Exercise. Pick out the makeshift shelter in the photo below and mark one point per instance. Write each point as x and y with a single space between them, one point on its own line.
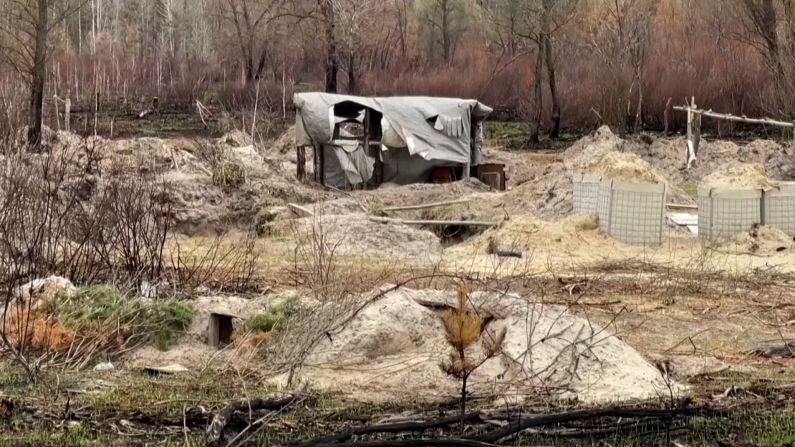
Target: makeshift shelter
359 141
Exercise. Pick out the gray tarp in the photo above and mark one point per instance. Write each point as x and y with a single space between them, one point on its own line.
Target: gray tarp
431 128
347 164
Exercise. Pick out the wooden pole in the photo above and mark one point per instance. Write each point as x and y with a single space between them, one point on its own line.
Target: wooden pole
469 223
735 118
301 159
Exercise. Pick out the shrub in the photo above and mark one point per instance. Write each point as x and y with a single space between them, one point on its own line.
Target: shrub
275 319
132 322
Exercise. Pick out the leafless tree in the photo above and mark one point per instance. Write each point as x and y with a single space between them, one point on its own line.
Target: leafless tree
446 21
620 36
24 45
533 25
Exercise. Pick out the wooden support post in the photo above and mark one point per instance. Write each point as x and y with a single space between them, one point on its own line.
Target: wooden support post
693 132
323 165
301 158
667 116
315 164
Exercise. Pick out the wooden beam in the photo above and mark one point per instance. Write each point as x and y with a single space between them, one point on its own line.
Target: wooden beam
680 206
463 223
735 118
425 206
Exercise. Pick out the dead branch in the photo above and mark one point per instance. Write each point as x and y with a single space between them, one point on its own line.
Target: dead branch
523 423
216 428
412 443
392 428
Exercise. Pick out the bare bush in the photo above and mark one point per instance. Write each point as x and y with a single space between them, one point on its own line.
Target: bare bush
227 264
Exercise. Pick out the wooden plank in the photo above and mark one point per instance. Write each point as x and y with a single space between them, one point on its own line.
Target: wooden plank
680 206
300 209
426 206
463 223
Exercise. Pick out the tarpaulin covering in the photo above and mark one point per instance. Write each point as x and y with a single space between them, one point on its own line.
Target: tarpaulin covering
421 131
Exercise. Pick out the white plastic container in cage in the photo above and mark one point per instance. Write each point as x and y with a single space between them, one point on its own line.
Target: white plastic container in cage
724 213
631 212
778 208
586 193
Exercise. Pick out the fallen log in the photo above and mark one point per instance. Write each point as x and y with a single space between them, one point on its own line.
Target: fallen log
425 206
523 423
391 428
463 223
216 428
414 443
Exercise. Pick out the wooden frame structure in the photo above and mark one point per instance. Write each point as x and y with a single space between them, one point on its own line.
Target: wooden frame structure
694 115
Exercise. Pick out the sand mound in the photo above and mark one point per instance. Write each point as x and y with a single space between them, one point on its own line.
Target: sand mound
625 167
533 236
606 155
394 347
734 175
356 235
549 191
764 240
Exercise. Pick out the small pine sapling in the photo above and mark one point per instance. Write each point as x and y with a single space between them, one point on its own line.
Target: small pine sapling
465 328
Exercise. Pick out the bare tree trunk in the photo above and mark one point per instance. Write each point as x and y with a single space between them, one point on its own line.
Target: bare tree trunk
553 88
445 31
39 75
538 100
332 63
639 110
352 84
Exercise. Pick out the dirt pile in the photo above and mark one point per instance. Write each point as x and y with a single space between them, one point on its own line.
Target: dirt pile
536 237
735 175
395 344
668 155
760 240
199 203
357 236
549 191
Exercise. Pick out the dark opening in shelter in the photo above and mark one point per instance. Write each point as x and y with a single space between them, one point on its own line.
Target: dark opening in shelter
220 330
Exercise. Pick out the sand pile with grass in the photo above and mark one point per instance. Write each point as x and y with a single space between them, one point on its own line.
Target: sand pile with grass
735 175
395 345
